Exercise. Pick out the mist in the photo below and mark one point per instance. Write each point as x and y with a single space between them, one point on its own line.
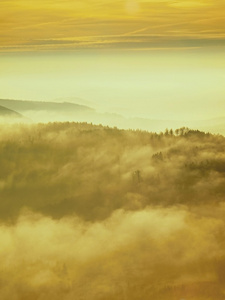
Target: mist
161 85
93 212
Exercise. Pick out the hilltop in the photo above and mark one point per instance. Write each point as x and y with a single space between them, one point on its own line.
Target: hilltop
100 169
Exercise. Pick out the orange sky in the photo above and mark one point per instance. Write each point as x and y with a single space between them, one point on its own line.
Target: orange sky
146 24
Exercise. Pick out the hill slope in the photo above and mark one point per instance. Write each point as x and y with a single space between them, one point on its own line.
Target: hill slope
38 111
25 105
6 112
91 212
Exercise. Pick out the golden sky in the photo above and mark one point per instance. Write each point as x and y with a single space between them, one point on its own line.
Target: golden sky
132 24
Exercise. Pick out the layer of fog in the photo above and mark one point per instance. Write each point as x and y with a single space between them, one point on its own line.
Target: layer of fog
91 212
160 85
114 120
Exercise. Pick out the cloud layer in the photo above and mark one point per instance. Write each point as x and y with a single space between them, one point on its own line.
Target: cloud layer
66 25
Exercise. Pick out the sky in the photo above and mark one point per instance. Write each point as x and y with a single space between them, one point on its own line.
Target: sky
132 24
151 58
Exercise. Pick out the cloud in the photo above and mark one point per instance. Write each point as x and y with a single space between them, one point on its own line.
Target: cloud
48 21
191 4
126 254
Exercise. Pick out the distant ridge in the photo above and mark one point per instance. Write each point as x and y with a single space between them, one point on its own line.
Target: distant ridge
40 111
6 112
27 105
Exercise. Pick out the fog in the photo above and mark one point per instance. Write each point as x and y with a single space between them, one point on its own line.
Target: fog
92 212
177 84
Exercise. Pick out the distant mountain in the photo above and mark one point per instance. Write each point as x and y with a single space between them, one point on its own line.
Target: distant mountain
6 112
75 100
39 111
26 105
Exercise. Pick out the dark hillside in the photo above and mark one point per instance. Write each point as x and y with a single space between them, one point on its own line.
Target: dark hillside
5 112
25 105
92 170
92 212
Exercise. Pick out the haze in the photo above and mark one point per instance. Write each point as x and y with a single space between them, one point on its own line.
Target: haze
112 175
142 58
165 85
91 212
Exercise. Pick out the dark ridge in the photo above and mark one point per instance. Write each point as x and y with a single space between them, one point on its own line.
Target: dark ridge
26 105
6 112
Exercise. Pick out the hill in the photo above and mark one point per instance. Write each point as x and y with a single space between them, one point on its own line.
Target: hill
157 169
39 111
93 212
5 112
25 105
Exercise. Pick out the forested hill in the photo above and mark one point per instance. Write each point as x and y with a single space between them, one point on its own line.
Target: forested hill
92 212
94 170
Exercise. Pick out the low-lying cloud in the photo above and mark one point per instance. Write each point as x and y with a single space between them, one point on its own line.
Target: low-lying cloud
91 212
